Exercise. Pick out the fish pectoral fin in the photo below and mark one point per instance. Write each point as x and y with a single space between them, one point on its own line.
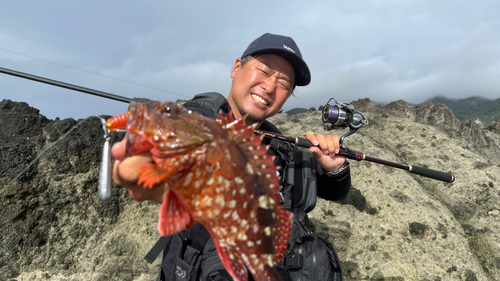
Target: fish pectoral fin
150 174
153 173
173 216
232 262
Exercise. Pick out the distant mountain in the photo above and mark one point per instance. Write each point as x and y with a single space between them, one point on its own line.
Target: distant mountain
472 108
296 111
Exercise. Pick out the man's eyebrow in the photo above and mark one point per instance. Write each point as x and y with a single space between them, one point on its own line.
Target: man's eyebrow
273 70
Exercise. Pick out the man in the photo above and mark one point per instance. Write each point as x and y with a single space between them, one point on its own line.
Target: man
263 79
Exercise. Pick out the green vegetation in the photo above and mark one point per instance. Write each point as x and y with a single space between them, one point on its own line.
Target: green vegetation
472 108
486 110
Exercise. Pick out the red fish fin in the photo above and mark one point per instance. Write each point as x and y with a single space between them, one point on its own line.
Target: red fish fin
229 124
173 216
150 174
255 152
284 221
261 162
234 266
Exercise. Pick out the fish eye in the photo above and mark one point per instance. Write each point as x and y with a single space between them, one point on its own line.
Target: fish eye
168 109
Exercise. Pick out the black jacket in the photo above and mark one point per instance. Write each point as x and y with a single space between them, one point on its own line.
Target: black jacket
328 187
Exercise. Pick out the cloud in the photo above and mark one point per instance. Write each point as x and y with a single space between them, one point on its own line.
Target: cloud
385 50
469 67
185 80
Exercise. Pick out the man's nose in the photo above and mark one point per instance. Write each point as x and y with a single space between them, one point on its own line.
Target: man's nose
270 84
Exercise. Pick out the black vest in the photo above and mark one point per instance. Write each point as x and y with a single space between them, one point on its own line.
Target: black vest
191 254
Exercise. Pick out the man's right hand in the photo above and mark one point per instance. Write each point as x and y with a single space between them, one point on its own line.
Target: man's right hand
125 174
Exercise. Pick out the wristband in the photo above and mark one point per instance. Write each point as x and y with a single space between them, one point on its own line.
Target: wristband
341 171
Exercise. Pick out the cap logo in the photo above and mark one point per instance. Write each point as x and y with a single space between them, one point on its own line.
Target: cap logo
288 48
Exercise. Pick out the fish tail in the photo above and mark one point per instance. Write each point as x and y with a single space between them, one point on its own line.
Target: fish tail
118 121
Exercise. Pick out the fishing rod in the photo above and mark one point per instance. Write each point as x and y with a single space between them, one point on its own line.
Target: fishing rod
64 85
343 115
106 169
337 116
359 156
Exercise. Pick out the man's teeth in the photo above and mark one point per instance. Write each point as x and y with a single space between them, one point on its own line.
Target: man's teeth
259 99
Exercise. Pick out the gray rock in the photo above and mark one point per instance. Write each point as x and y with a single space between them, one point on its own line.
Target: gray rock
393 225
495 126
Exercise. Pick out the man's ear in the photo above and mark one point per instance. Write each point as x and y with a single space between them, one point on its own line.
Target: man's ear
236 67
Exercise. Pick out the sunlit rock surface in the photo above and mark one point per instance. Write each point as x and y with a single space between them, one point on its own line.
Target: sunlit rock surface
393 225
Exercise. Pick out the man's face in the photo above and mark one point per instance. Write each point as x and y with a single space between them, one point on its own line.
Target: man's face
260 87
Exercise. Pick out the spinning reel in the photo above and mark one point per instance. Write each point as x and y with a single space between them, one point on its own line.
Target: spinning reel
340 116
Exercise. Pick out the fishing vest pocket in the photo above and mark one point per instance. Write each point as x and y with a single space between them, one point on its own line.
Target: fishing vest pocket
310 257
313 260
298 176
336 273
186 263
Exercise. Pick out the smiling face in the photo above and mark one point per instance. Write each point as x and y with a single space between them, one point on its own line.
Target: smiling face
260 87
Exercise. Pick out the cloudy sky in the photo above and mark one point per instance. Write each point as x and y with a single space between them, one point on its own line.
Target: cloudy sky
385 50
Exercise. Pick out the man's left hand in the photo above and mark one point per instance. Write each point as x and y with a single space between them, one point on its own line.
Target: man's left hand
326 151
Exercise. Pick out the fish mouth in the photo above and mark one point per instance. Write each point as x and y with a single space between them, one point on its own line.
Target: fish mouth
137 141
260 99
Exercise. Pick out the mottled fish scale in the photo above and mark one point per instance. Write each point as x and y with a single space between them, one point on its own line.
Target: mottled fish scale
246 220
258 157
220 175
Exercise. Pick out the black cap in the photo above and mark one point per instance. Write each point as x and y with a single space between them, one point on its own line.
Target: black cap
284 47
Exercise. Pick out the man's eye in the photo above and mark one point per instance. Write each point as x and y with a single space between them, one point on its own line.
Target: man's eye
284 86
263 71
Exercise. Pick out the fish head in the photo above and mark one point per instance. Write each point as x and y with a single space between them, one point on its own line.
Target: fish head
164 128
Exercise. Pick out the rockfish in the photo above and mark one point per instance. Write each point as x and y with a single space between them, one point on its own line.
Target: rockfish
219 174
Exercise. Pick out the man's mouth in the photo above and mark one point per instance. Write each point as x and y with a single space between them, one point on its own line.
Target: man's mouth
260 100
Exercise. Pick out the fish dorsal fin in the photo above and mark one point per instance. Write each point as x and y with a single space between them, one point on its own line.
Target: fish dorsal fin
263 165
284 225
252 147
173 216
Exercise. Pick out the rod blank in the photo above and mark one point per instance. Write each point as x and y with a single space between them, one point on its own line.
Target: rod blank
64 85
302 142
359 156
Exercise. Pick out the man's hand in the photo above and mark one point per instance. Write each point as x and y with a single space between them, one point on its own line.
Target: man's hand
325 151
125 174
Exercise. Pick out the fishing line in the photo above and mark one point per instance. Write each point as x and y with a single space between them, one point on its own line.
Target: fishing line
44 151
95 73
336 116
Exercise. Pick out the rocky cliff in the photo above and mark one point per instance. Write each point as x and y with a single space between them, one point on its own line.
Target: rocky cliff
392 226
